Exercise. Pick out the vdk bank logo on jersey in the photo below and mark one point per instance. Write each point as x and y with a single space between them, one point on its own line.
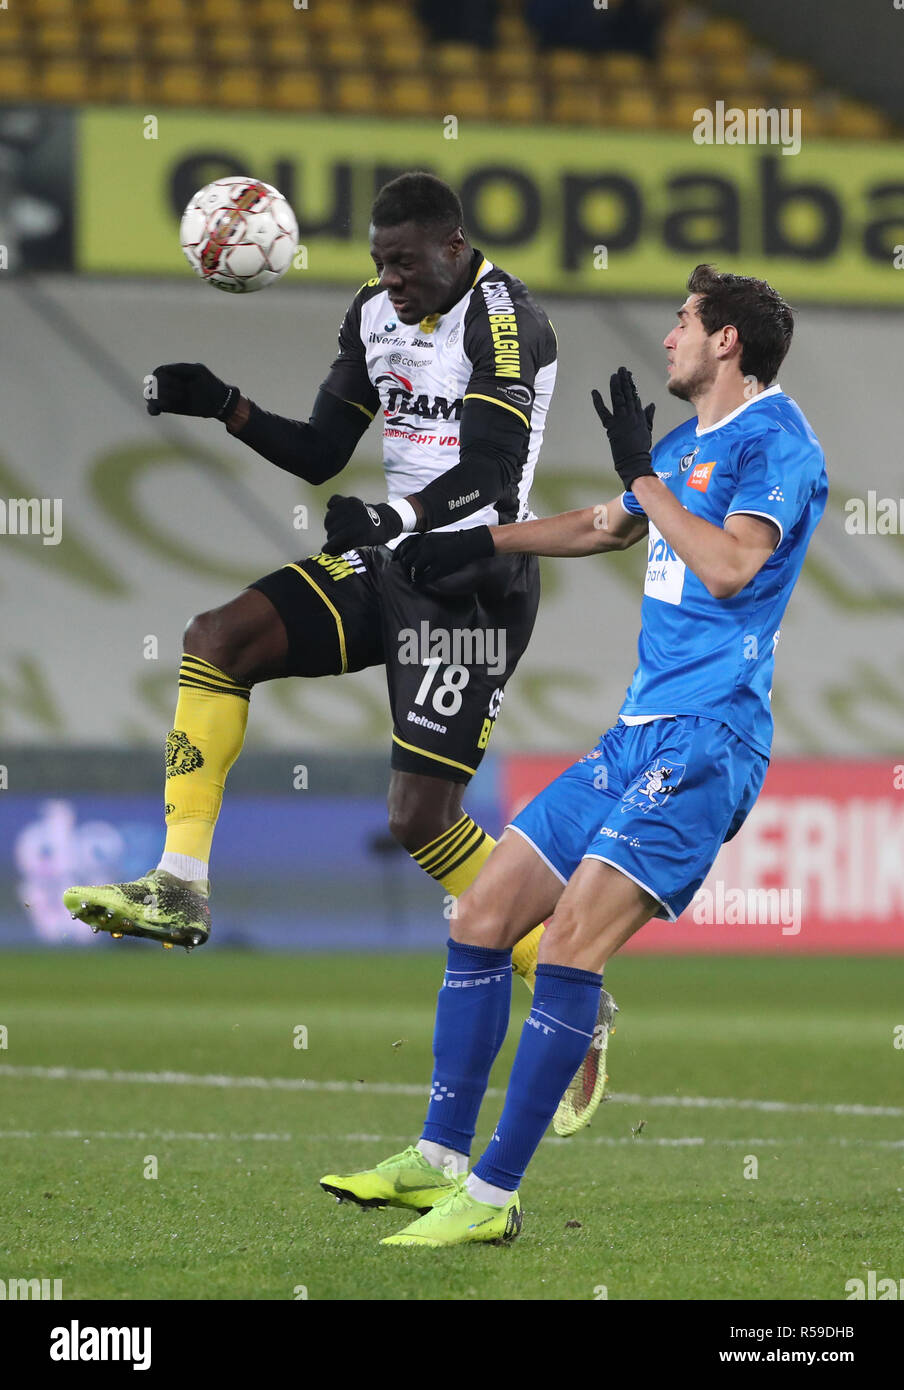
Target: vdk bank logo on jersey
665 572
654 787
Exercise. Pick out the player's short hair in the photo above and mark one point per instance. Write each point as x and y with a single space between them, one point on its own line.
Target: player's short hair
420 198
764 321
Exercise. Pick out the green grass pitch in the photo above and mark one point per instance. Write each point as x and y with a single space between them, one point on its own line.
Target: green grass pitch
651 1202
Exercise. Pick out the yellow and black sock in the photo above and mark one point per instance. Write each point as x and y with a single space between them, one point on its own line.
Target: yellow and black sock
206 738
454 859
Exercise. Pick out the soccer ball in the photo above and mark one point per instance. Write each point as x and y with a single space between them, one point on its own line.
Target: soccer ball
239 234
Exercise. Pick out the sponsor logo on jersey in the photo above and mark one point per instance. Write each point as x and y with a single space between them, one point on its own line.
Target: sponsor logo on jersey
388 327
390 341
701 475
402 406
503 327
520 395
397 359
686 460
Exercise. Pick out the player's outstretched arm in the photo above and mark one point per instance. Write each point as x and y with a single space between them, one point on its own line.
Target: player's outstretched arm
314 450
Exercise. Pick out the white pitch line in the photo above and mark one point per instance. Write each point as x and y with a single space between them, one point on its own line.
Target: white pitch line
86 1136
398 1088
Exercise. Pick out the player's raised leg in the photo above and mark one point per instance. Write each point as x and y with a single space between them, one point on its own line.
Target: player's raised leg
515 889
598 911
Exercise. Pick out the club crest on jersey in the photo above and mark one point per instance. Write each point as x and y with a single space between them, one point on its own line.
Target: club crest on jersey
686 460
654 787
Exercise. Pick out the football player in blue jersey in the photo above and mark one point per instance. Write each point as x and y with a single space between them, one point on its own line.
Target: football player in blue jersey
728 502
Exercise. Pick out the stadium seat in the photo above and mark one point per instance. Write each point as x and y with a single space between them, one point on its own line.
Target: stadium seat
117 40
110 9
12 35
637 108
679 69
16 78
168 12
576 104
120 80
467 98
289 46
56 36
391 55
388 21
172 42
521 62
337 16
517 100
676 111
412 96
237 85
456 59
854 121
729 74
180 84
233 12
346 51
567 65
297 91
724 36
624 70
65 79
233 44
48 9
357 92
792 78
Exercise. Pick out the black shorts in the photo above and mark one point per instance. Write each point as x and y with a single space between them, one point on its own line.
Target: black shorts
448 649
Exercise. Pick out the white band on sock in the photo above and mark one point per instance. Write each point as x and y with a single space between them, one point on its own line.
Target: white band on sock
485 1192
184 866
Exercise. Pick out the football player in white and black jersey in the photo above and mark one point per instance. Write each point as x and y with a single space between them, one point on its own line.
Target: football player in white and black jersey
458 361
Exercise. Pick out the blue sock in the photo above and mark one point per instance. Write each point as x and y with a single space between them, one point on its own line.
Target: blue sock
556 1036
472 1015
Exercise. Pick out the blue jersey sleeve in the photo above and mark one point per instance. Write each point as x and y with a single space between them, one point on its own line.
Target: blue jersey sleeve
631 504
776 478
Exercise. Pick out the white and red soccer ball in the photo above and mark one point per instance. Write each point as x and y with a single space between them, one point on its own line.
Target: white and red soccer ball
239 234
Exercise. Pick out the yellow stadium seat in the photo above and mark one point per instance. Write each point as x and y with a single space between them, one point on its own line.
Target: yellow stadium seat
792 78
336 16
724 36
117 40
296 91
517 100
679 69
109 9
232 12
289 46
233 45
677 111
456 59
512 31
357 91
514 62
48 9
854 121
120 80
56 36
392 56
172 42
237 85
412 96
566 65
729 74
12 35
624 70
387 20
637 108
180 84
468 98
65 79
16 78
576 104
346 51
167 12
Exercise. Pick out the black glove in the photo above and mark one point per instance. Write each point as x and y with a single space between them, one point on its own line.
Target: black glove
350 522
629 426
430 557
190 388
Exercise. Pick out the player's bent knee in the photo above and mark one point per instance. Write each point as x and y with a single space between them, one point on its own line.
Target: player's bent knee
213 637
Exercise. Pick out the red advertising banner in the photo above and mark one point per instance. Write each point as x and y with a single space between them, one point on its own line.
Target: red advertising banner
817 867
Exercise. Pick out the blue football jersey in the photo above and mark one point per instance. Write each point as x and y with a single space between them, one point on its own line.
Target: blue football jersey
714 657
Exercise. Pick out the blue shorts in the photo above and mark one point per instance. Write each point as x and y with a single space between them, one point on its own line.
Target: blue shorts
656 801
